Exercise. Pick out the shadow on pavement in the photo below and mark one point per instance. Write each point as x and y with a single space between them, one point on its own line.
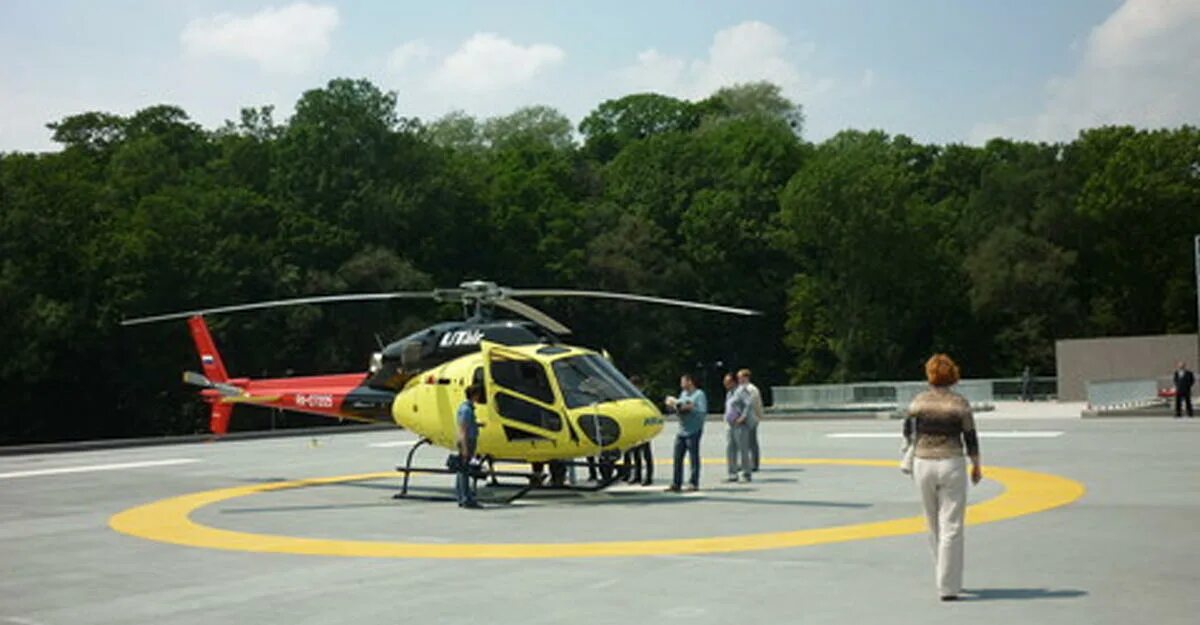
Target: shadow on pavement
1017 594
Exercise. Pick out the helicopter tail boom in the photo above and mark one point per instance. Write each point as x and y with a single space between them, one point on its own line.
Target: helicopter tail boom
340 396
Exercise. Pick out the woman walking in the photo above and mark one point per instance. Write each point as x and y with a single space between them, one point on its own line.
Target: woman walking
940 426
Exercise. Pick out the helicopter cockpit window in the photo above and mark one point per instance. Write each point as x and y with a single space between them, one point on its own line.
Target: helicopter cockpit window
590 379
523 376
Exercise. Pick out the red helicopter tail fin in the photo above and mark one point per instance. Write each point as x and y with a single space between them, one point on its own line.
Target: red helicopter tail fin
214 371
218 423
210 358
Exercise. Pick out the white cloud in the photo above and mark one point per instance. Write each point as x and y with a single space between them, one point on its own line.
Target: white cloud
408 53
748 52
1140 67
287 40
487 62
654 69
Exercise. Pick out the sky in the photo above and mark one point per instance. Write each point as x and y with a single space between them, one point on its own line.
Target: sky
940 71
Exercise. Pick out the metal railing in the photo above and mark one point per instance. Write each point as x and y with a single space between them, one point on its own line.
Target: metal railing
871 396
1120 394
1042 388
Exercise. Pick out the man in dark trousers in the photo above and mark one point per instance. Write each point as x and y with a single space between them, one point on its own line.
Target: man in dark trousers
640 455
1183 388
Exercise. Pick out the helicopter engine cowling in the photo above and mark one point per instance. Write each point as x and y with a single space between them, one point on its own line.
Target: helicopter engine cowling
441 343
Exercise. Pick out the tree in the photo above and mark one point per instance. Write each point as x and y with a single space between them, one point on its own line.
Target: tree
754 99
616 123
93 131
1139 211
853 221
457 131
865 252
530 126
1021 288
338 147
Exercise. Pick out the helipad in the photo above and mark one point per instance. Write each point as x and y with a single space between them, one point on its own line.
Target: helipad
299 531
169 521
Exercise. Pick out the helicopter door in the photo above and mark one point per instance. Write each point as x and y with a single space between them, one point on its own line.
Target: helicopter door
520 393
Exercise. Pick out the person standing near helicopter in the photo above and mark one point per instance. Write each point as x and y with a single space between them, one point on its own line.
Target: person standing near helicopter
468 437
641 454
743 378
739 416
692 408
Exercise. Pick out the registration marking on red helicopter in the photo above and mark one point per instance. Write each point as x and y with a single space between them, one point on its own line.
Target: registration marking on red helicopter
168 521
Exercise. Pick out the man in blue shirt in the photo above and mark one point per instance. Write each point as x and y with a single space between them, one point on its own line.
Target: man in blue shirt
468 436
692 408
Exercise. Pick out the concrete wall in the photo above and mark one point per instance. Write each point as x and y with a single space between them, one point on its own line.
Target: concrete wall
1081 360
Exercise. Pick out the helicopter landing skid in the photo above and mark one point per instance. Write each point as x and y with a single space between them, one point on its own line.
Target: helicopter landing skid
529 480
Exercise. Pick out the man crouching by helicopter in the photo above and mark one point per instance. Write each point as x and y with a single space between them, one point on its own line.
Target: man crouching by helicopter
468 436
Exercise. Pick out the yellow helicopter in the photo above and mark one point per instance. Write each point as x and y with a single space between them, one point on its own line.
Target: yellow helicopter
545 401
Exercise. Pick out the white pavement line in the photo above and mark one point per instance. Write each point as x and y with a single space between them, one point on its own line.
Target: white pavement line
1022 434
982 434
18 620
98 467
393 444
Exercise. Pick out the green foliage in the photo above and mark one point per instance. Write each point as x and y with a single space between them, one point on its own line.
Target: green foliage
854 220
617 123
865 252
749 100
532 126
1021 286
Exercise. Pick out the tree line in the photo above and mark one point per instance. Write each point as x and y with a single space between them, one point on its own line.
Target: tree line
865 251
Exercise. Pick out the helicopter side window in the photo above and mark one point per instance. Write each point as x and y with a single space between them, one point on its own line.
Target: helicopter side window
527 412
523 376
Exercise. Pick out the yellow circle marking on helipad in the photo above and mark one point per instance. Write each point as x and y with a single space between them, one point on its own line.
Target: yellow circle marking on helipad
168 520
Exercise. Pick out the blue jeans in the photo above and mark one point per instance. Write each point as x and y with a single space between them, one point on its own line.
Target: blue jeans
464 485
691 445
737 451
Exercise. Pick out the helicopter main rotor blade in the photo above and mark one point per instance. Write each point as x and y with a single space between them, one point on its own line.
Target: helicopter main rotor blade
629 297
533 314
280 303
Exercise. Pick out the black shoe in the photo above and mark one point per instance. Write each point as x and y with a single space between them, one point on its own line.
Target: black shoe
949 597
674 488
473 505
648 482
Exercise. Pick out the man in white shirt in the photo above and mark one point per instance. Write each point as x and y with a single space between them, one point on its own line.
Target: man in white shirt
756 400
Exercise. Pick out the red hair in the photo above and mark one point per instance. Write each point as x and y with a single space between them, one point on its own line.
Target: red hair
940 370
